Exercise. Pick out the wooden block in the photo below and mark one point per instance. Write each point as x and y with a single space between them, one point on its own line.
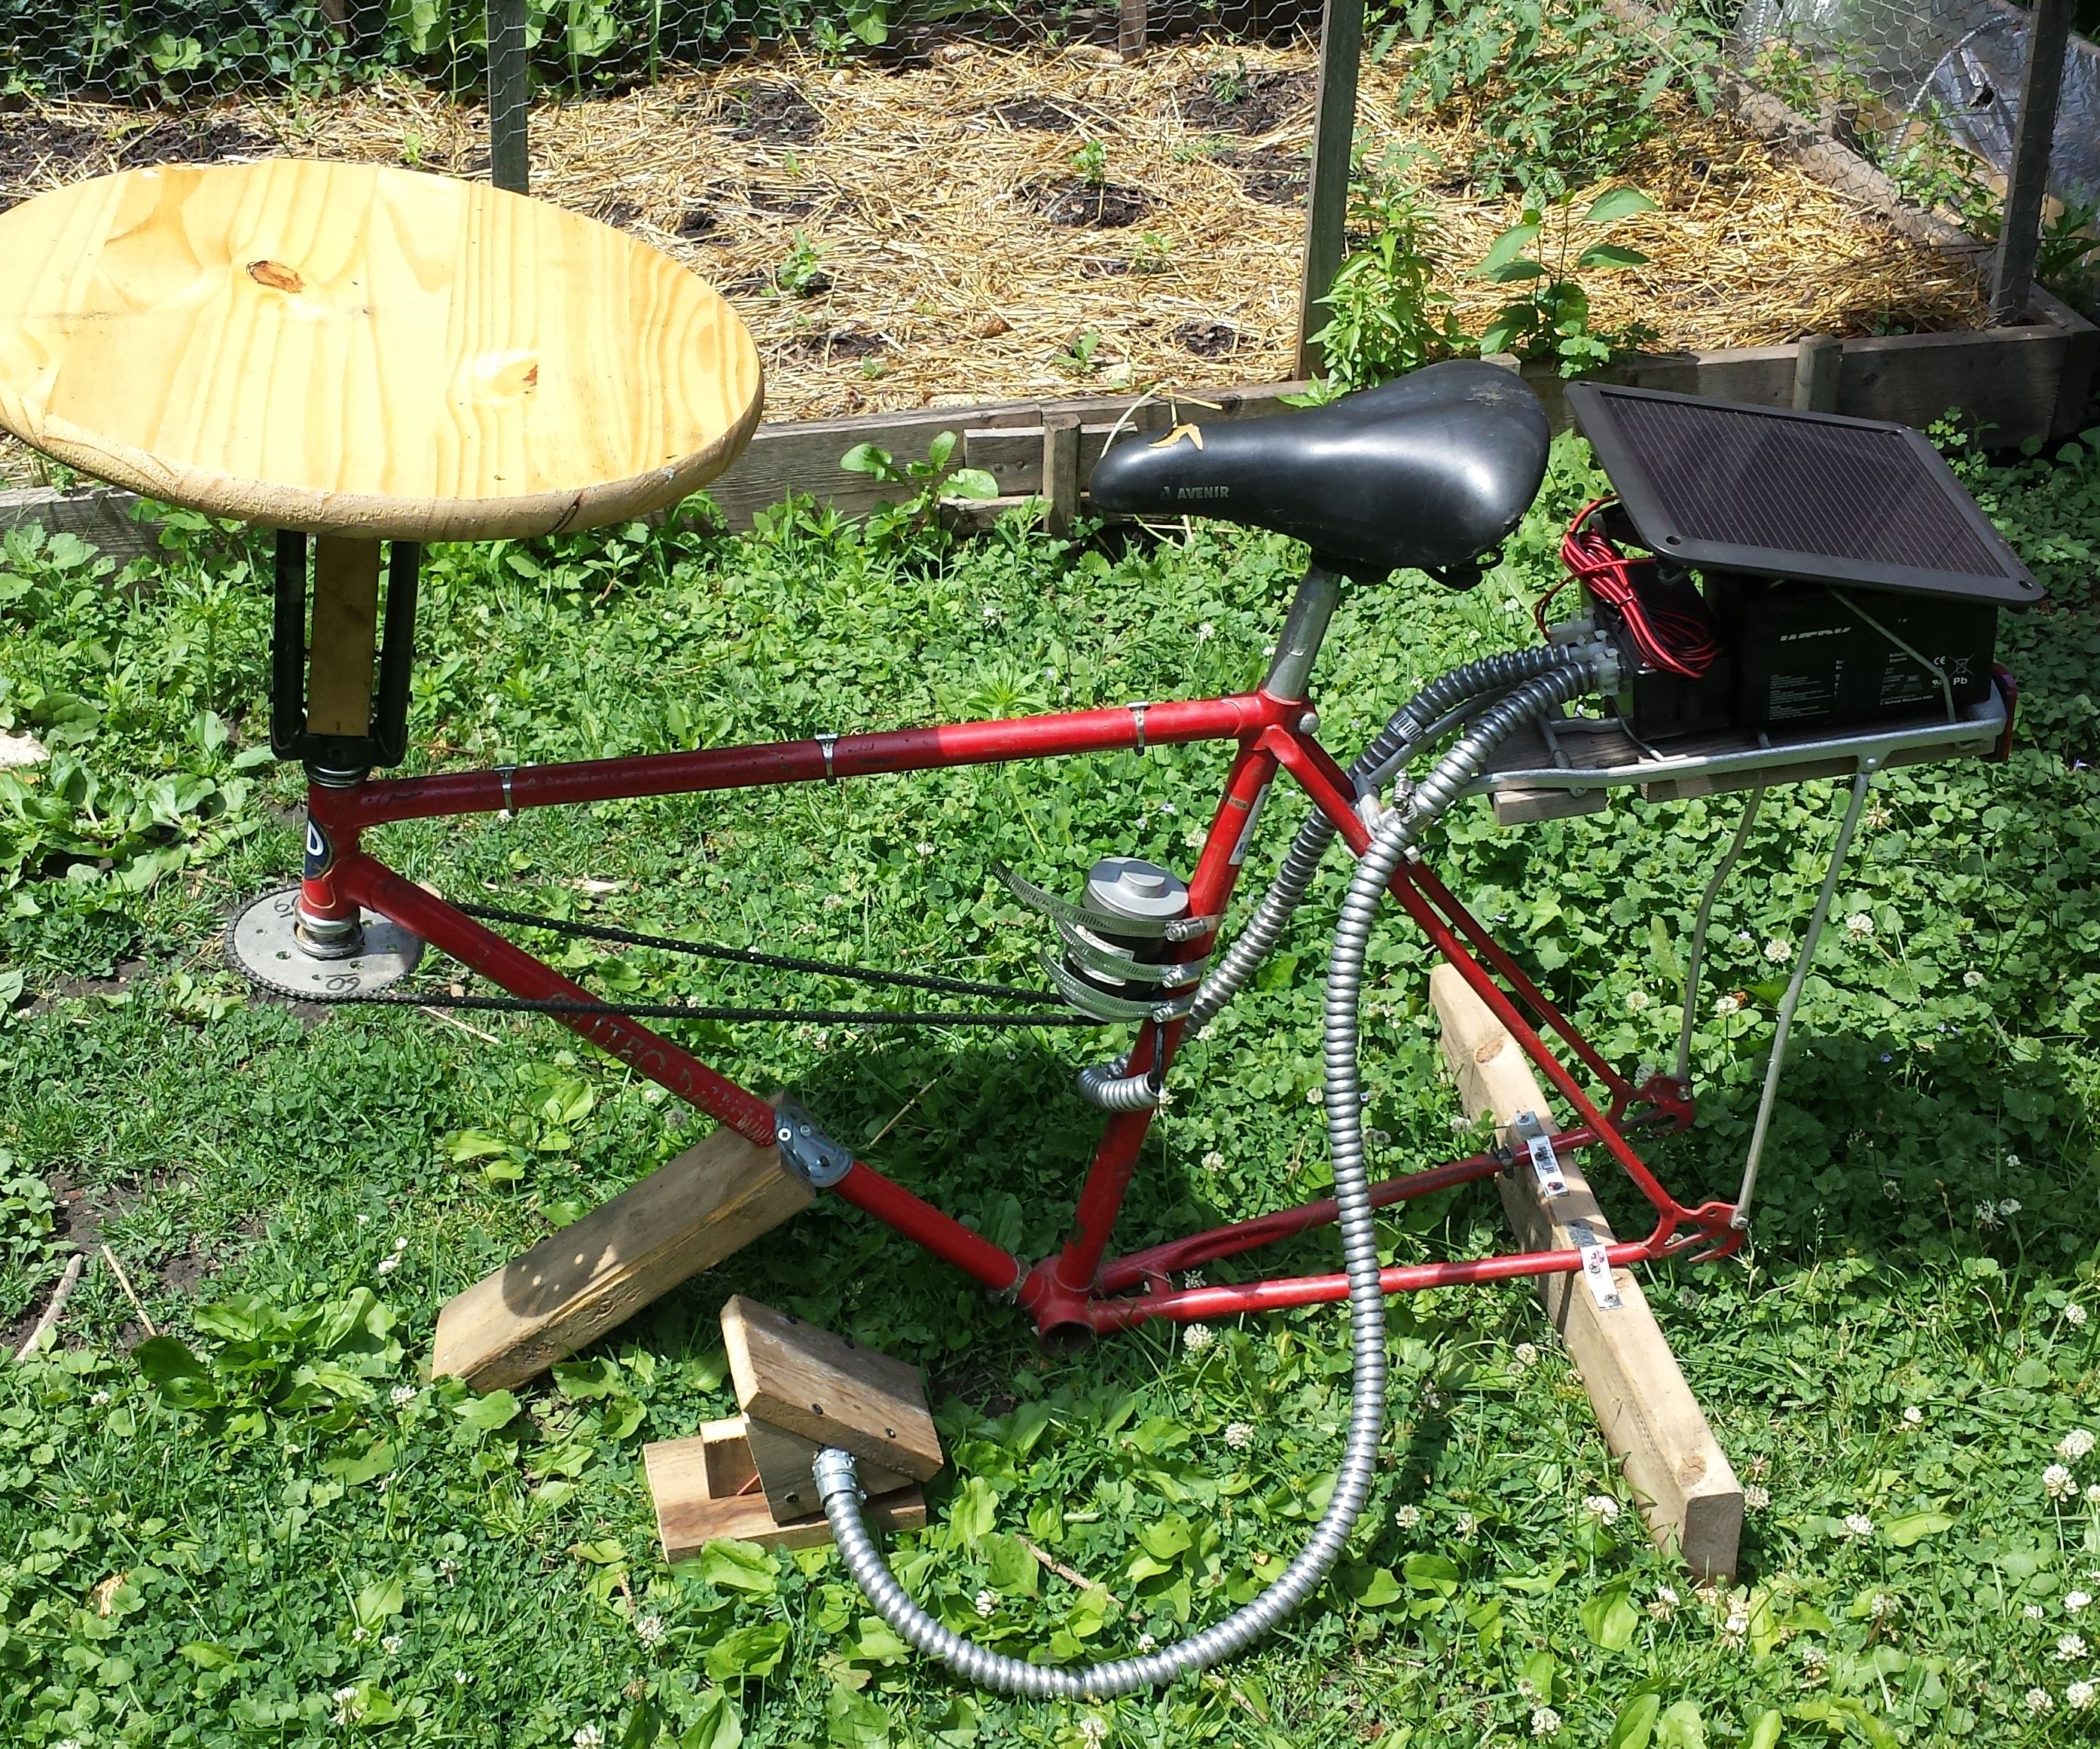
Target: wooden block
784 1463
1061 469
1686 1487
574 1285
699 1486
1131 29
829 1389
1818 366
345 626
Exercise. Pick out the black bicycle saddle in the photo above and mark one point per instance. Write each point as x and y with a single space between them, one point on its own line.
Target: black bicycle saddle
1424 472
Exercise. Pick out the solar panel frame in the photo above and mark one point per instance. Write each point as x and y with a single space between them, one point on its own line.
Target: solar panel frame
1828 482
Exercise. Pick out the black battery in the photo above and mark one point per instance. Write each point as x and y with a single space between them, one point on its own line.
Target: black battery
1809 655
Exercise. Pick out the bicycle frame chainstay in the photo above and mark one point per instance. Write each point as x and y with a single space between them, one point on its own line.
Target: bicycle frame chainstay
1080 1289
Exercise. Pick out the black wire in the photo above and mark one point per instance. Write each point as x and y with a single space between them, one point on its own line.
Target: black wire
827 1017
775 961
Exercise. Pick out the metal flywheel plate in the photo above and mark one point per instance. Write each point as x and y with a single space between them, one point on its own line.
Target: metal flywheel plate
262 944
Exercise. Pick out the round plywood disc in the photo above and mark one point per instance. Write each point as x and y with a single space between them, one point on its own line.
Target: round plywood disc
353 350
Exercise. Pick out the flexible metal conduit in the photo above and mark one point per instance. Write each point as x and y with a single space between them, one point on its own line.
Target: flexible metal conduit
1110 1086
1395 834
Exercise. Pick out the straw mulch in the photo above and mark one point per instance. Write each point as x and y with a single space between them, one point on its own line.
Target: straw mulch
927 199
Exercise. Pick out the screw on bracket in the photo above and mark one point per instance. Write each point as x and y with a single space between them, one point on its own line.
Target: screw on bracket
811 1154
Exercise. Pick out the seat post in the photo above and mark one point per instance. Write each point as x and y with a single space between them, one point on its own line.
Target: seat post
1303 629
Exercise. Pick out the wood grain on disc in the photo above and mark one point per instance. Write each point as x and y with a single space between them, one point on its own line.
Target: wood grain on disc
348 349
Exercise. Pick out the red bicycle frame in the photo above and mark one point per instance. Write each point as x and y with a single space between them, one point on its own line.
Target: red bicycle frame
1080 1289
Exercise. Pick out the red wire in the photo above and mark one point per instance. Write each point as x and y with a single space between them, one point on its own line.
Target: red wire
1670 638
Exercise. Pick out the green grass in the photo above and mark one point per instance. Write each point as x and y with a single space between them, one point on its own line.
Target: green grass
293 1540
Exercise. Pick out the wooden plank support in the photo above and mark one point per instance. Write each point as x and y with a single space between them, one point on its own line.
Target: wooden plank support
1818 366
574 1285
705 1489
345 636
1131 29
1688 1489
1061 469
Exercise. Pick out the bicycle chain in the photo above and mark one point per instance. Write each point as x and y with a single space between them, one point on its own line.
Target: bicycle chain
518 1005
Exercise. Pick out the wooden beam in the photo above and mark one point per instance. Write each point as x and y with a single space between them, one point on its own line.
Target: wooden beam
828 1389
574 1285
1686 1488
1131 29
1061 469
509 96
2027 182
344 639
1327 195
1818 366
697 1485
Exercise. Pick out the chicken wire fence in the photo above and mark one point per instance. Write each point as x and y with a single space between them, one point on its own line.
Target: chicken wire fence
1912 70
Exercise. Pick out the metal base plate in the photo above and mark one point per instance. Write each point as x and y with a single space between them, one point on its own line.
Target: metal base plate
262 944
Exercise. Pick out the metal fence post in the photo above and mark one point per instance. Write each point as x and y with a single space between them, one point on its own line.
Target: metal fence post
1327 198
2020 236
509 94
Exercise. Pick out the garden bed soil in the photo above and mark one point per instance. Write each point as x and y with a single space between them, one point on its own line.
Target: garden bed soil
924 189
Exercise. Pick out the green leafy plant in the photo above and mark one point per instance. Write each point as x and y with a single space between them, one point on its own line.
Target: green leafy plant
1078 356
1090 164
1153 254
1559 97
1545 251
936 479
1385 316
802 274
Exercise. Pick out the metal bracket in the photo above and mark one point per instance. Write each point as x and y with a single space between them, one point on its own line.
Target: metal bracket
1138 710
827 745
1545 1162
812 1156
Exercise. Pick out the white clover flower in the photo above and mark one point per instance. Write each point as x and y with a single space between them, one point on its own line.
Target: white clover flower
2075 1601
1664 1604
2057 1482
2092 1494
99 1400
1545 1721
1094 1730
359 1636
1858 1525
1601 1507
1239 1435
1987 1214
2080 1696
2038 1701
2074 1315
1466 1524
2012 1159
1859 924
1777 950
2074 1444
1738 1623
1913 1416
925 848
2070 1648
1197 1337
987 1603
388 1265
1205 632
390 1643
1757 1497
347 1707
1814 1656
1314 1096
1638 1000
1146 1642
448 1570
1525 1354
401 1396
1195 1278
588 1737
1431 1398
1972 978
1407 1517
2009 1207
1728 1004
1881 1605
1214 1161
461 1678
649 1630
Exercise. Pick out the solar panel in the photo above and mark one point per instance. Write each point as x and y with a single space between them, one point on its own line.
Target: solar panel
1806 496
